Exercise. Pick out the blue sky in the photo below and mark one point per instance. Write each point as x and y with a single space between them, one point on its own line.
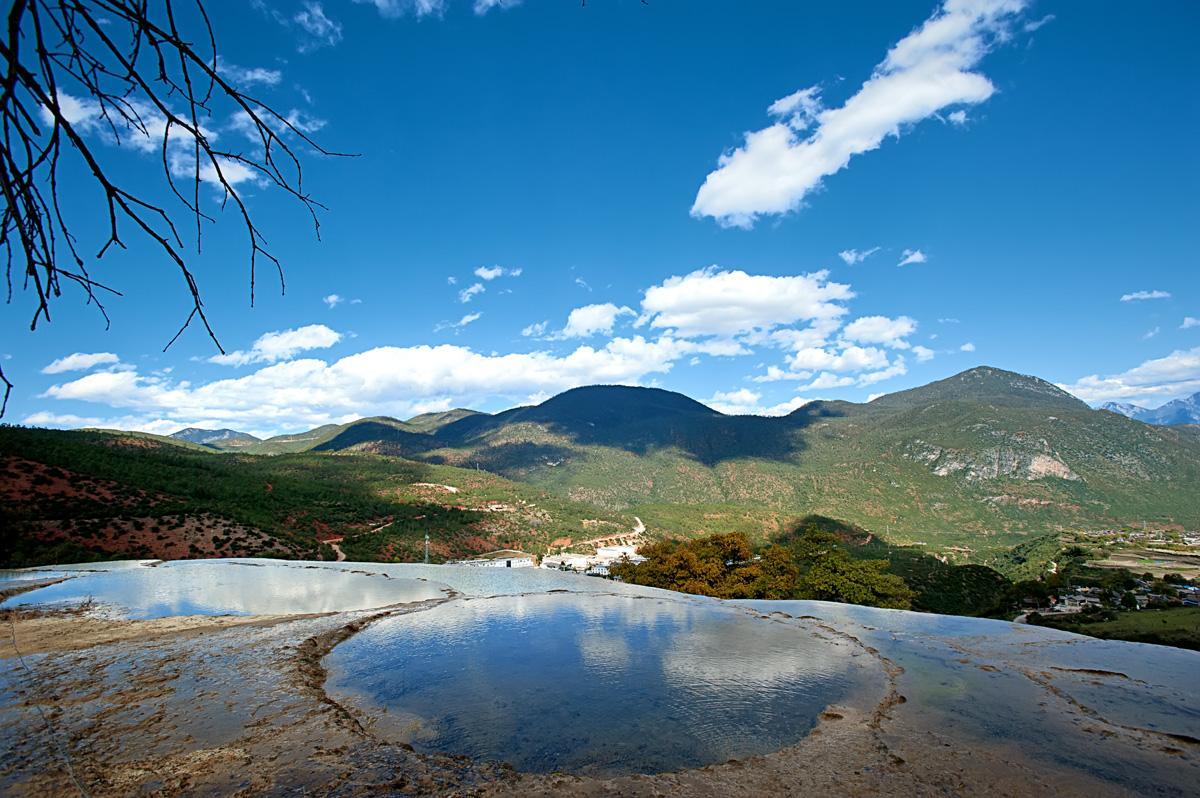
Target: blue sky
755 204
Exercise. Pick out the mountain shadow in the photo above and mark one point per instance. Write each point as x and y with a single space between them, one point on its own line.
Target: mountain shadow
640 420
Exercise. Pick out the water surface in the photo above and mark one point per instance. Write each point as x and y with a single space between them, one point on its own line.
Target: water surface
599 684
223 587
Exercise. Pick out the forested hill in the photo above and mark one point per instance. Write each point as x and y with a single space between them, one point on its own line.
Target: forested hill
965 466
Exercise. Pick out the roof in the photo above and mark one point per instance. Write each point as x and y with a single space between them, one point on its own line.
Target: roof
502 554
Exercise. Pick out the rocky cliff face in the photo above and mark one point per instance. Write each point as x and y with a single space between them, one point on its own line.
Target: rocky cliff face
991 463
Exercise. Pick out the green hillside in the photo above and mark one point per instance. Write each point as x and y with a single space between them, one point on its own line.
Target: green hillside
965 468
977 462
80 496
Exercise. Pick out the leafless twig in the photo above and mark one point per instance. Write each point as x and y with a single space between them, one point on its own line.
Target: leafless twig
76 72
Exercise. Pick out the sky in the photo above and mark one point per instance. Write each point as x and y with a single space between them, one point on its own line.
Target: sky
755 204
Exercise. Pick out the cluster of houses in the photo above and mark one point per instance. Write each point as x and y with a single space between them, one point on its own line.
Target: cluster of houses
1077 599
591 564
1144 537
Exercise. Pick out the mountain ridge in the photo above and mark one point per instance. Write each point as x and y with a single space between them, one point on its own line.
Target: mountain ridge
1173 413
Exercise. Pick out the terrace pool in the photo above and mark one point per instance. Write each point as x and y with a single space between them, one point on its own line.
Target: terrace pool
596 684
140 591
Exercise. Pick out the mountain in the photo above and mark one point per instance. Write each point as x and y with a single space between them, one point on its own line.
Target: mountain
1173 413
978 461
1124 409
222 439
965 467
429 422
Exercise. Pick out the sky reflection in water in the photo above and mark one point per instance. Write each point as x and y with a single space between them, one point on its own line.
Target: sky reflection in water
214 587
599 684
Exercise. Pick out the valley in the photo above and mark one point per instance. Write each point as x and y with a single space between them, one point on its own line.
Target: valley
986 470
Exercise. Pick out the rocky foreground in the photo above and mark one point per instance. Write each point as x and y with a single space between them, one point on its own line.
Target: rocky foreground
96 702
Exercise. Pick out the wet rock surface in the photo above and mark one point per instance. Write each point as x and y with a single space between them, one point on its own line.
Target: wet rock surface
251 705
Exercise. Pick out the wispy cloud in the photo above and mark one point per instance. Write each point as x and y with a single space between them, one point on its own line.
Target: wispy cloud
853 256
251 76
81 361
281 345
1036 24
1189 322
925 72
320 29
1176 374
492 272
1138 296
910 256
592 320
458 325
468 293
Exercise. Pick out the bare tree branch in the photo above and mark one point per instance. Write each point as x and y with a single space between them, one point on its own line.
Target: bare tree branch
79 75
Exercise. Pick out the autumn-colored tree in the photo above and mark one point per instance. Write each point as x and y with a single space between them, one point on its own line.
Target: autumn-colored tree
814 566
838 577
774 574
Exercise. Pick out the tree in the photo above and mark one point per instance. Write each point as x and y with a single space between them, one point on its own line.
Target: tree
813 567
837 577
81 71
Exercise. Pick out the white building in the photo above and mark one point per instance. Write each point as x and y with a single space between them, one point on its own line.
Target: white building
505 558
567 562
592 564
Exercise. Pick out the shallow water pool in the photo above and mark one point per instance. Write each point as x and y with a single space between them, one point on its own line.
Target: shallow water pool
217 587
599 684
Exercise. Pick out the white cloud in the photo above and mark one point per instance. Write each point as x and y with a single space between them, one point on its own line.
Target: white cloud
333 300
727 303
1034 25
452 280
826 380
484 6
910 256
383 381
536 329
949 321
897 369
254 76
80 361
1189 322
470 291
579 281
1151 333
925 72
967 347
281 345
923 353
458 325
881 330
1138 296
744 402
734 402
1161 379
144 132
853 256
399 8
322 31
775 374
594 319
851 358
492 272
958 117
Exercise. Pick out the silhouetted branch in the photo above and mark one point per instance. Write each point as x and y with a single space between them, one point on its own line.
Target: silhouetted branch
77 72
